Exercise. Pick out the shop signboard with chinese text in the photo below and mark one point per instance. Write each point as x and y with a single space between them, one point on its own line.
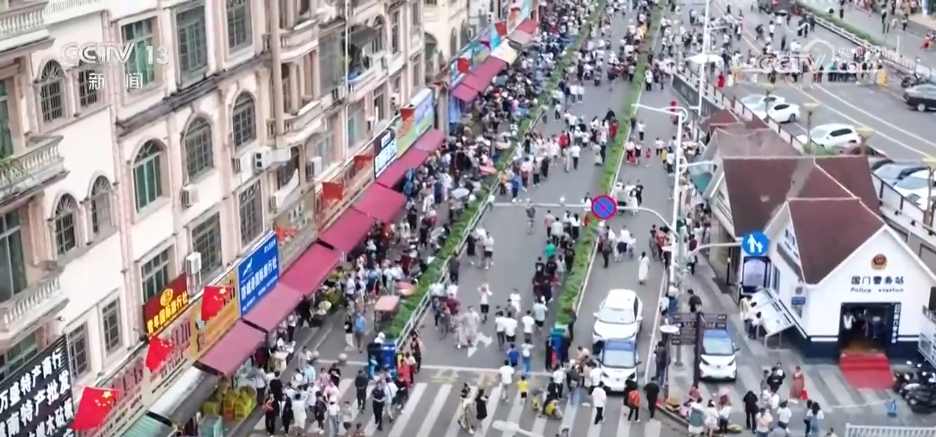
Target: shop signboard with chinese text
139 388
385 150
207 333
408 132
37 399
258 273
163 309
295 229
336 194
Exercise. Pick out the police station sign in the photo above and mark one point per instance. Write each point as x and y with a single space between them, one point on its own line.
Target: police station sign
36 401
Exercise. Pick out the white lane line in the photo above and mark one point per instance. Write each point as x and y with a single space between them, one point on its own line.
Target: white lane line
430 418
516 411
399 424
494 401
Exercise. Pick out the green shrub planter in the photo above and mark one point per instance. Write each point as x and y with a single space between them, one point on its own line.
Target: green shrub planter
459 231
575 278
834 19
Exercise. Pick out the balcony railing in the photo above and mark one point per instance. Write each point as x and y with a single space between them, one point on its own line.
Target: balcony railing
299 40
61 10
307 121
21 18
31 304
38 165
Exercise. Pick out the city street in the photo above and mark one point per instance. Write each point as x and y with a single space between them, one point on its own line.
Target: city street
900 132
433 409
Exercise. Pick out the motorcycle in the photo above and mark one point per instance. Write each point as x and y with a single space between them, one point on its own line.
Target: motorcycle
922 399
913 80
904 377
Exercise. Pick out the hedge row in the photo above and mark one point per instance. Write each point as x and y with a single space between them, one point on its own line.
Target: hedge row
575 280
459 231
834 19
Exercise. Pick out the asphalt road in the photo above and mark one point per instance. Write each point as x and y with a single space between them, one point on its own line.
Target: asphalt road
515 251
900 132
433 409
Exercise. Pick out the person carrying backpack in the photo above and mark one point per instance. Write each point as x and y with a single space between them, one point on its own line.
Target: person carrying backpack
633 405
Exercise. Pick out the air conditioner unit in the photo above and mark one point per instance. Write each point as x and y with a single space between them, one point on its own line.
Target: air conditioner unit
370 123
274 204
261 160
189 195
313 168
193 263
383 62
282 155
236 165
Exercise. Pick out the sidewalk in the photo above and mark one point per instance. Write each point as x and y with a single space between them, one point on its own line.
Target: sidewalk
906 43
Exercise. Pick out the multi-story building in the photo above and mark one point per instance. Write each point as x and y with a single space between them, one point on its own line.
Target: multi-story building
448 29
117 180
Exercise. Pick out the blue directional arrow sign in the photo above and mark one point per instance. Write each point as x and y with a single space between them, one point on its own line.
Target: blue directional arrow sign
755 244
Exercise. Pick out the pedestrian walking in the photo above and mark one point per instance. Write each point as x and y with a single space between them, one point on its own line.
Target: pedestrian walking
652 390
599 398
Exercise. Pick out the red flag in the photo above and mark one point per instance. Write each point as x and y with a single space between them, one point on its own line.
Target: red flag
407 113
501 28
157 352
96 404
463 65
213 301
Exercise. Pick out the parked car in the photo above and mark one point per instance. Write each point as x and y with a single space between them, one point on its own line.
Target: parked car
619 316
718 358
916 184
893 172
833 135
756 101
618 360
779 112
921 97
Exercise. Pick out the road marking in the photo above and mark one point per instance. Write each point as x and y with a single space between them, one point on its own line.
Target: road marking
433 414
571 410
494 400
748 39
516 411
439 367
399 424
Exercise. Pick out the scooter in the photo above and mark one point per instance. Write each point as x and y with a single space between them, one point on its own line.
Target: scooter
912 376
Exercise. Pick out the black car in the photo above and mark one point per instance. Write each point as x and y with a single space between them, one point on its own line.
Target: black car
921 97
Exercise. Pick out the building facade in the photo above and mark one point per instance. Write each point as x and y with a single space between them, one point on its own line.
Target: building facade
118 183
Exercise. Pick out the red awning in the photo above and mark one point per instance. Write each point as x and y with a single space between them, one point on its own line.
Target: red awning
475 82
308 272
430 140
528 26
348 230
489 69
465 93
520 37
273 308
227 355
381 203
413 158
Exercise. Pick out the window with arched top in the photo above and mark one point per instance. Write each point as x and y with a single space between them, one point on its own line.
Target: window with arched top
147 174
89 85
453 44
199 156
66 233
52 92
464 33
102 222
243 120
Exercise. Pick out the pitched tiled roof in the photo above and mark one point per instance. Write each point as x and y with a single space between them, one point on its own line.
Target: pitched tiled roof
828 231
740 140
817 186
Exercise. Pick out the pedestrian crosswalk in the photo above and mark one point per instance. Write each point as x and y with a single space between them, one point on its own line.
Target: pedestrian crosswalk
432 411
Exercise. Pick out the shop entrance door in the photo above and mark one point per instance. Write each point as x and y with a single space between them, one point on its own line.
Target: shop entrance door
887 431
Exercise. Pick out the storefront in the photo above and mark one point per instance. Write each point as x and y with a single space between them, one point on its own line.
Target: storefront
879 288
337 193
415 141
296 229
167 316
36 400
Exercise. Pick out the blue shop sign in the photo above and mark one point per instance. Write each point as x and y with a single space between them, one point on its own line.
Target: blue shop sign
258 273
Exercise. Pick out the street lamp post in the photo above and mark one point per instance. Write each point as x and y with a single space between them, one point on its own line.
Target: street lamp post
768 91
811 108
706 36
667 332
864 133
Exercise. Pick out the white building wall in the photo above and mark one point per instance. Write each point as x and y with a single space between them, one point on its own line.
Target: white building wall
786 277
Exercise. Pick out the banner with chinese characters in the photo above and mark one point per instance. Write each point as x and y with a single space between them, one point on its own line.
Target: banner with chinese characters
163 309
140 388
408 132
37 399
385 150
207 333
258 273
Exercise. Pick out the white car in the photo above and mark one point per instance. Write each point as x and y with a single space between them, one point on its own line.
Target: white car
758 101
718 359
618 360
832 136
619 316
915 186
779 112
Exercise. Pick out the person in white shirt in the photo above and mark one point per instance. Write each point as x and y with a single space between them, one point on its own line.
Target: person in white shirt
485 292
488 245
510 330
599 398
506 378
558 377
528 325
784 414
576 152
500 325
514 300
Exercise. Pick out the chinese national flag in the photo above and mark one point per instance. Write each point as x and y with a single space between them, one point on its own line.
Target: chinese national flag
157 353
501 28
95 405
463 65
213 301
407 113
